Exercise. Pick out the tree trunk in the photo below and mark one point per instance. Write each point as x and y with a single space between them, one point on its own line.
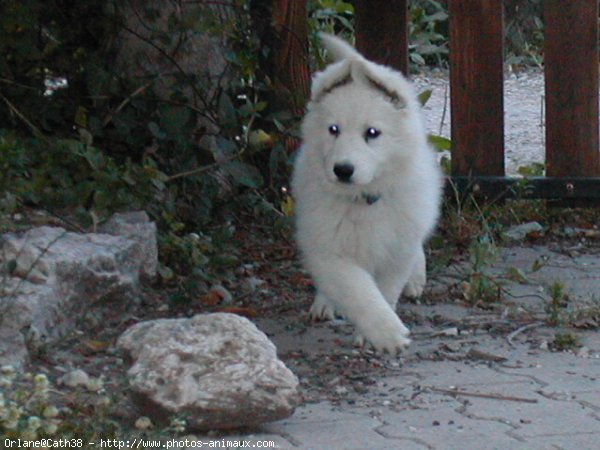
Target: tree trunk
382 31
283 29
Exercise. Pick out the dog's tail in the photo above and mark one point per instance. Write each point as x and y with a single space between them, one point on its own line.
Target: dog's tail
338 48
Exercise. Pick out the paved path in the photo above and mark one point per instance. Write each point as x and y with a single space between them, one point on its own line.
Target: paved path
466 382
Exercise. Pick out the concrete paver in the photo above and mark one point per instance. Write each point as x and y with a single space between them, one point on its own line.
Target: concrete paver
532 399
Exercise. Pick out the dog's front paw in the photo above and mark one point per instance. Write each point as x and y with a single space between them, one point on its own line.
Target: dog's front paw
415 285
391 337
321 309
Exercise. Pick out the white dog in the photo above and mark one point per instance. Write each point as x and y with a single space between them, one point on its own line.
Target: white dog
367 190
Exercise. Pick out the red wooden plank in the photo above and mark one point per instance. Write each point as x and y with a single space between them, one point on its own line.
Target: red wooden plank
476 87
382 31
571 73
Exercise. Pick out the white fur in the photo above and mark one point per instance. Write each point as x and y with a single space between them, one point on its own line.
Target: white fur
362 256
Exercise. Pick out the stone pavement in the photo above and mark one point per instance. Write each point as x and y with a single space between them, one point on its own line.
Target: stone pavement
473 379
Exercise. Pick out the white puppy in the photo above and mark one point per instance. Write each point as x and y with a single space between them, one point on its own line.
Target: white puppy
367 189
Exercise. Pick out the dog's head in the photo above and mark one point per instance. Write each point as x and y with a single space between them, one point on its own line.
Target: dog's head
363 118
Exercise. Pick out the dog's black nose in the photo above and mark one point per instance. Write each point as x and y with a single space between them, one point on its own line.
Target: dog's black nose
344 172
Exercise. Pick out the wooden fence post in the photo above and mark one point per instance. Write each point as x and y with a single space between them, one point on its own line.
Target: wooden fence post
476 87
571 73
382 32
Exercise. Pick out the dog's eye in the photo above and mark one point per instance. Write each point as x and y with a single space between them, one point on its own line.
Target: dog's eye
334 130
372 133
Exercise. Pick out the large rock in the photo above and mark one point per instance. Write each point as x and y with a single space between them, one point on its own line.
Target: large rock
50 278
217 369
136 225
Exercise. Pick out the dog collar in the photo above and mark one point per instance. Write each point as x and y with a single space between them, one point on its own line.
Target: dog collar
368 198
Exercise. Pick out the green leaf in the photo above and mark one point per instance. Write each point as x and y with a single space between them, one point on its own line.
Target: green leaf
440 143
94 157
430 49
226 148
344 8
155 130
439 16
424 97
227 110
278 158
165 272
244 174
174 120
517 275
224 261
533 170
86 137
417 59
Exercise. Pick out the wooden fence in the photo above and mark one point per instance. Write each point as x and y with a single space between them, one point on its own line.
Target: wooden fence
476 98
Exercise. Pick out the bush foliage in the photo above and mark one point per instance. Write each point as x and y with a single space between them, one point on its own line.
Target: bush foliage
112 112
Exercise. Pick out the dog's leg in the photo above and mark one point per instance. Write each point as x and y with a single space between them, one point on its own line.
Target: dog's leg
416 282
354 293
391 284
321 309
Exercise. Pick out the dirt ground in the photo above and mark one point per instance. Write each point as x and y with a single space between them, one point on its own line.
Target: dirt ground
449 329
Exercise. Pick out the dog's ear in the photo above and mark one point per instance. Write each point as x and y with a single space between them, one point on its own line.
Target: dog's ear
352 66
337 48
334 76
381 79
337 74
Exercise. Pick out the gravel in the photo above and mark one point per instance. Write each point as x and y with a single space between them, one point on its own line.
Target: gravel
523 113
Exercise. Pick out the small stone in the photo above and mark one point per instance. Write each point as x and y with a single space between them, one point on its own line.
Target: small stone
143 423
520 232
251 284
95 385
75 378
449 332
452 347
583 352
341 390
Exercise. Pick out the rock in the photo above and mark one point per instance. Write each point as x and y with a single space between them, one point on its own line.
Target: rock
520 232
448 332
252 284
75 378
218 370
583 352
136 225
13 351
143 423
590 233
51 278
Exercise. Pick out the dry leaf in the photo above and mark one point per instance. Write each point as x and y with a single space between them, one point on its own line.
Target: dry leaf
96 346
212 298
240 311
